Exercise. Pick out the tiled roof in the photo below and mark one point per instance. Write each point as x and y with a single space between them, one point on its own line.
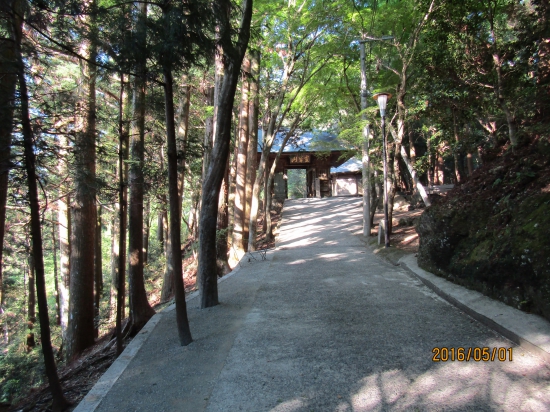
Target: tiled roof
304 141
351 166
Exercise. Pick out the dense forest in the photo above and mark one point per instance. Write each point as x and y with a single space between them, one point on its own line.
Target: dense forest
129 139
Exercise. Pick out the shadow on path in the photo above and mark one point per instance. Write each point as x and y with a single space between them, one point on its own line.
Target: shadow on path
324 325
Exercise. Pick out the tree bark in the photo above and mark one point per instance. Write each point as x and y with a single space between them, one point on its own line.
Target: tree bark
8 80
59 402
233 56
146 230
222 242
419 186
175 221
55 274
242 152
98 271
31 301
64 219
80 334
123 152
168 278
253 110
182 133
140 310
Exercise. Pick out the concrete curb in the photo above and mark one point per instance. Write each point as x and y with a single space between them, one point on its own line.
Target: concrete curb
94 397
530 331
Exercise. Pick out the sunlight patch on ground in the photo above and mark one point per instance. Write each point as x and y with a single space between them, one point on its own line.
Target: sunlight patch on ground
289 406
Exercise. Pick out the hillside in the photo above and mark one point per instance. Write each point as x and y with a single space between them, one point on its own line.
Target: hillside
491 234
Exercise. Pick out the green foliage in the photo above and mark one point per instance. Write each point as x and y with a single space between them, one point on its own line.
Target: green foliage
19 372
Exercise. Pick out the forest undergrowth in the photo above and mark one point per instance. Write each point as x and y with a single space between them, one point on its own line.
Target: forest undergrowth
22 378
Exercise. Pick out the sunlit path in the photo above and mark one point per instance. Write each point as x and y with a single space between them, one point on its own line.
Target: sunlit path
325 325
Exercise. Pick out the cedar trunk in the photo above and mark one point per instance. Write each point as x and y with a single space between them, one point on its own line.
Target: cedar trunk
233 55
242 152
59 402
140 310
175 221
8 80
80 334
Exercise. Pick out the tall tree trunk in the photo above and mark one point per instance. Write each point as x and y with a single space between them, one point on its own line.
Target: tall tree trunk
160 231
64 227
146 230
55 274
140 310
440 166
222 246
168 278
268 139
98 270
499 86
123 154
182 128
80 334
59 402
419 186
31 301
114 258
242 152
8 80
457 153
233 56
175 221
365 172
251 157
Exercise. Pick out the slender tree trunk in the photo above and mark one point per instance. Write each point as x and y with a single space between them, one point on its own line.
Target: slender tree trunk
412 172
440 166
168 279
222 246
114 258
232 188
175 221
123 172
55 274
59 402
242 151
233 56
80 334
208 131
268 139
367 222
146 230
31 302
222 242
98 270
160 231
140 310
253 110
64 227
8 80
457 153
182 132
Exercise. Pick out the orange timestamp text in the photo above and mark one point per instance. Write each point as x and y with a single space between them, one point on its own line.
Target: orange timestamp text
476 354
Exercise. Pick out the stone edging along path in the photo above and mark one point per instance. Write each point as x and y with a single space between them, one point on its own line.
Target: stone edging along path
530 331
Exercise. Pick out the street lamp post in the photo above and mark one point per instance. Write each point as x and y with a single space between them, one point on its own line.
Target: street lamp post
382 99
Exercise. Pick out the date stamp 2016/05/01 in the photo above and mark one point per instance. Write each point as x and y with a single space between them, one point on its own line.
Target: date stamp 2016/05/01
476 354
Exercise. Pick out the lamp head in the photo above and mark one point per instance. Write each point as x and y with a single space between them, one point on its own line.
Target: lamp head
382 99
